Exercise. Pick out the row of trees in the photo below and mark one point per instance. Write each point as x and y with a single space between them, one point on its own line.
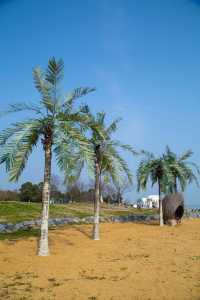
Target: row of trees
72 133
77 138
8 195
76 192
32 192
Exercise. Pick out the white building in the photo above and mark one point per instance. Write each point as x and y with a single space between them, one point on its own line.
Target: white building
151 201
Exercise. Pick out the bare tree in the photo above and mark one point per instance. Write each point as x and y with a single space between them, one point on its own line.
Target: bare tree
121 187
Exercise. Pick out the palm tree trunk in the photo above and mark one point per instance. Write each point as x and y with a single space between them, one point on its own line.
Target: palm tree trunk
119 198
160 205
101 198
43 244
100 189
175 186
96 202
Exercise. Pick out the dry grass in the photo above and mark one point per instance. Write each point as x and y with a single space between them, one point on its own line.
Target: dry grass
131 261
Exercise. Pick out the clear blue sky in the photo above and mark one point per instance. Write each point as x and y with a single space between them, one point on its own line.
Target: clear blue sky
143 56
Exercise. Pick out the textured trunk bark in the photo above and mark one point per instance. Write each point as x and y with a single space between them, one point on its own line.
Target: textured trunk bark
100 188
101 198
43 244
96 202
119 200
160 206
175 186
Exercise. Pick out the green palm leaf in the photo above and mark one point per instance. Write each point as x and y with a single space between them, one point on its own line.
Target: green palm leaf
54 72
113 126
16 152
21 106
75 94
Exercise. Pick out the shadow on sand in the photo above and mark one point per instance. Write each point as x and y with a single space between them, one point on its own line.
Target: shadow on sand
82 230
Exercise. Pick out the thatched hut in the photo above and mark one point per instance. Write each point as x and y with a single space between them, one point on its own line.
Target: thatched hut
173 208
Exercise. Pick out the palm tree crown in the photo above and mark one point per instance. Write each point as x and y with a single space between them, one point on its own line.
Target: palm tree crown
182 170
157 171
154 169
56 121
106 150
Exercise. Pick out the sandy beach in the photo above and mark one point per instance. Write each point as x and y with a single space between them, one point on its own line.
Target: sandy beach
131 261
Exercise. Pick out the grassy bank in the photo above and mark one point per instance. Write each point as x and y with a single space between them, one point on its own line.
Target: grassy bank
14 212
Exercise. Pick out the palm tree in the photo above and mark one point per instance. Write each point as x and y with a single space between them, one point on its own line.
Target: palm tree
183 171
107 161
157 171
56 125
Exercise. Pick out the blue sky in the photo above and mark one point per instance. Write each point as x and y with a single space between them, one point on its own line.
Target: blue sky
142 56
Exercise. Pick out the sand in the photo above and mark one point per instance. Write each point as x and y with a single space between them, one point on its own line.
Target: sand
131 261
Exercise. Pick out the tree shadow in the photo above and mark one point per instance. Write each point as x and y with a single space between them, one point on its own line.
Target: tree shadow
82 230
38 245
153 223
139 222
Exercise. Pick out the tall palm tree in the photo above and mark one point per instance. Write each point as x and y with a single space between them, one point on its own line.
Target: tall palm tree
183 171
56 124
157 171
107 161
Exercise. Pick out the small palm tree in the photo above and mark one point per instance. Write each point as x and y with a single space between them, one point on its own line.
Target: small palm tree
56 125
183 171
156 170
107 161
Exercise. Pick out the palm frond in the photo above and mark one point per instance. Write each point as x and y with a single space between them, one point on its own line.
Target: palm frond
18 127
186 155
84 121
100 118
113 126
74 117
148 155
169 153
75 94
189 174
179 169
21 158
44 89
143 173
21 106
84 108
15 153
110 168
68 160
54 72
126 147
120 163
194 165
79 139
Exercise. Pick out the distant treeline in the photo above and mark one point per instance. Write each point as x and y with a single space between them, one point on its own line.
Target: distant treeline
78 192
7 195
29 192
